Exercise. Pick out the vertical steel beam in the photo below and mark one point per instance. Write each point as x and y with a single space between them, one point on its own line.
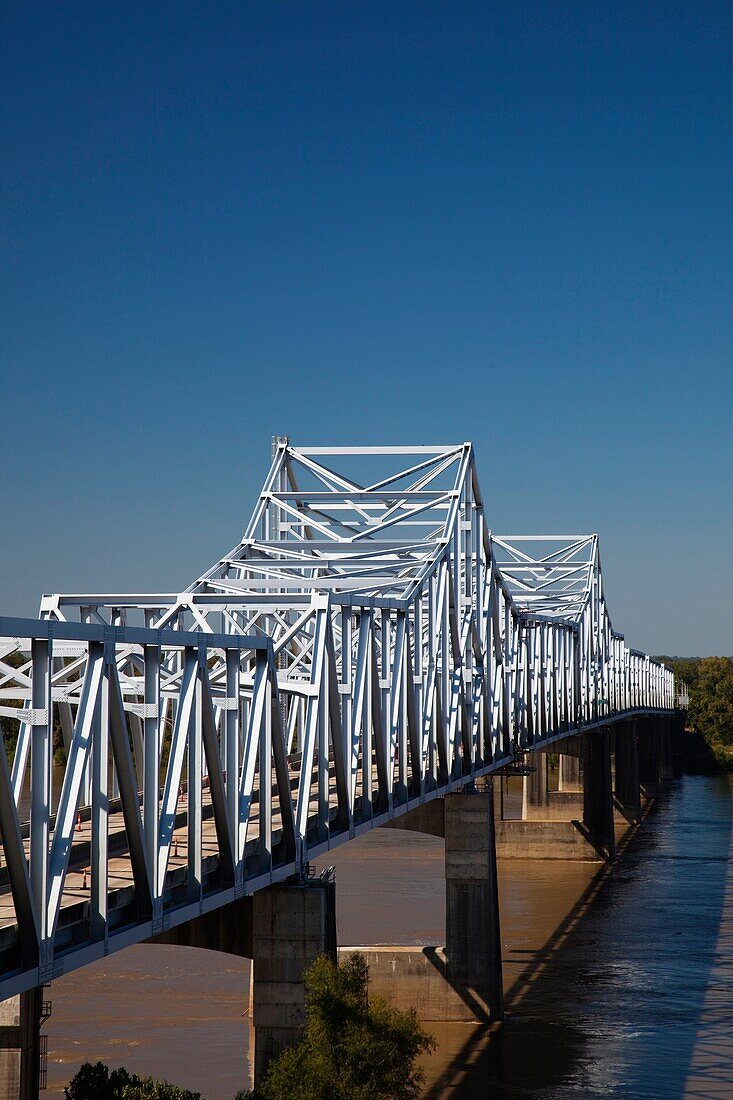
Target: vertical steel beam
232 734
193 787
265 764
41 762
151 753
98 928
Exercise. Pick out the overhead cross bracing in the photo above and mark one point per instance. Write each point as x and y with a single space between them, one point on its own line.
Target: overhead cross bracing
550 575
367 646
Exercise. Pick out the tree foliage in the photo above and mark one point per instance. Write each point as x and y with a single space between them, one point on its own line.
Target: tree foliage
98 1082
710 685
354 1047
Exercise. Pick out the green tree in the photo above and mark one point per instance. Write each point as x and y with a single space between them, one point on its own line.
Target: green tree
354 1047
98 1082
711 699
710 713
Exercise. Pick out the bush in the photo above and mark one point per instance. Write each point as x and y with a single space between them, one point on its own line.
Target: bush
98 1082
353 1048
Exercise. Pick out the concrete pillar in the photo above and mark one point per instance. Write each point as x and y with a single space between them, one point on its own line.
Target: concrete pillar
664 733
648 757
534 786
569 776
20 1046
677 728
598 792
473 939
292 925
10 1046
628 790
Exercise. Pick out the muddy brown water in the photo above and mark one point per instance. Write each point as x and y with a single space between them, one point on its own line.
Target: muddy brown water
618 983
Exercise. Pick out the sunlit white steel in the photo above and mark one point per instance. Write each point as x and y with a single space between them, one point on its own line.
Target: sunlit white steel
368 645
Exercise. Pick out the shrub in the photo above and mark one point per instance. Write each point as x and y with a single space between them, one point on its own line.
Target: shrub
353 1048
98 1082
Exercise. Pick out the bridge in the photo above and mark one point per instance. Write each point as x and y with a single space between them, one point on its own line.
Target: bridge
370 653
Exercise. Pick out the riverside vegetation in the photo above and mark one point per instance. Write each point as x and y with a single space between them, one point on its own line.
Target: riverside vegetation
710 715
95 1081
354 1047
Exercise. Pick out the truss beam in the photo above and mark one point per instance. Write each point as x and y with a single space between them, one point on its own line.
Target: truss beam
367 646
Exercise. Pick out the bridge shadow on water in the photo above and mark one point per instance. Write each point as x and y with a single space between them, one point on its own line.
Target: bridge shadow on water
632 994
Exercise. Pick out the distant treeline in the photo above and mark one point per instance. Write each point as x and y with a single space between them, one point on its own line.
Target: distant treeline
710 685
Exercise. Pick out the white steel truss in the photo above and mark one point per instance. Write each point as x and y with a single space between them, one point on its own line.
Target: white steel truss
367 646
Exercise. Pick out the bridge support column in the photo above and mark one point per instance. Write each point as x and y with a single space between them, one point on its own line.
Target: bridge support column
569 775
598 792
534 787
292 925
473 939
628 790
648 757
20 1046
664 733
677 730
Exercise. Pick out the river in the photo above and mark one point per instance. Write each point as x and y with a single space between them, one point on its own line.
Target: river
619 982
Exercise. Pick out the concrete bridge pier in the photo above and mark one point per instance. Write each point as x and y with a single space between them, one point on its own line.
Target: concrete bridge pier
569 774
534 786
292 925
649 757
598 792
677 730
664 733
551 823
628 789
463 981
20 1046
472 931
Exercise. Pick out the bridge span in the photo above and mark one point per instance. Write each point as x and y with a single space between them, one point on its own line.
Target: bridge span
369 653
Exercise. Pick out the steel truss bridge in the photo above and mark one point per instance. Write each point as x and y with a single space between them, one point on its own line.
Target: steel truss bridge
369 645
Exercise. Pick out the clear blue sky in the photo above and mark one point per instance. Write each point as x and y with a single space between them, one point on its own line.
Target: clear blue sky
378 222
